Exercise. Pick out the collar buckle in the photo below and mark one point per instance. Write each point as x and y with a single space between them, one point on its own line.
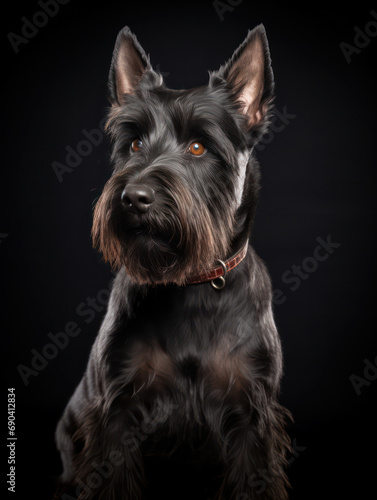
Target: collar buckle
217 276
220 279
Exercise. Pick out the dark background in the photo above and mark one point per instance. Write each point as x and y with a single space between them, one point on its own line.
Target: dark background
318 179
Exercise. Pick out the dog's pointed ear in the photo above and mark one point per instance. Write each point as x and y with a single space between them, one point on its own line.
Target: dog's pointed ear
128 65
249 76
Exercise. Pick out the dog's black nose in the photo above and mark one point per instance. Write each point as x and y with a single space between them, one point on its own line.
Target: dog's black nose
136 197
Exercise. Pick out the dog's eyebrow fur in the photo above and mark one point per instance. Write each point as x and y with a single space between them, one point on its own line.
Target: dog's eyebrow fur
187 116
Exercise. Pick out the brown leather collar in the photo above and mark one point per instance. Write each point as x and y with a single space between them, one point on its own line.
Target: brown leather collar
218 273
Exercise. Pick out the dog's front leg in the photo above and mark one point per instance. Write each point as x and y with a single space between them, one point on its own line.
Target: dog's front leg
110 466
255 458
64 436
100 451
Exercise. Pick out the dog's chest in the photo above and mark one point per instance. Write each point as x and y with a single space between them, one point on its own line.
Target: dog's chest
172 345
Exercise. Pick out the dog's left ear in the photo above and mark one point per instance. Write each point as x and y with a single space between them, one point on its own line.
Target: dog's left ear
128 66
249 76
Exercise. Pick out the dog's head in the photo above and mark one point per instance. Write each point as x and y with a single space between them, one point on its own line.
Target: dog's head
183 188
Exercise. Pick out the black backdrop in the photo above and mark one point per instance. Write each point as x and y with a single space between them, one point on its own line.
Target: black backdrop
318 188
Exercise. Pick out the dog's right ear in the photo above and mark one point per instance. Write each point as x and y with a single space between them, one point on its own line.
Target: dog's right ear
128 65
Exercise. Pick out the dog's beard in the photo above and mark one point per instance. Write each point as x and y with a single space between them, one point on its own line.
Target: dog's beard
176 239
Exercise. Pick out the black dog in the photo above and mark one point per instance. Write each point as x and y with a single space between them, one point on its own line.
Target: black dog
187 364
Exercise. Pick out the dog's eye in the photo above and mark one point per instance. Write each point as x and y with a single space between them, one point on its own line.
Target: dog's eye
136 145
197 148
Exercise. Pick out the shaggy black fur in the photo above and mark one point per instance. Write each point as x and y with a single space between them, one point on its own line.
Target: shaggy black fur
181 374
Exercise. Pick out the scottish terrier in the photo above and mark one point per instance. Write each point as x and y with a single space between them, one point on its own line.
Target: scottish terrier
184 374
